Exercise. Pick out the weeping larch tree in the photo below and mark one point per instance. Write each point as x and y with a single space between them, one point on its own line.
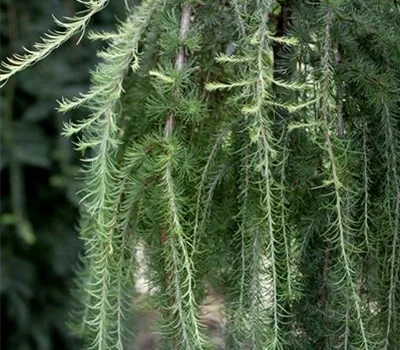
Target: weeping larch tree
249 143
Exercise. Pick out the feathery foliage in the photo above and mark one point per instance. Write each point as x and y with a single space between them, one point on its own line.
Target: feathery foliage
254 144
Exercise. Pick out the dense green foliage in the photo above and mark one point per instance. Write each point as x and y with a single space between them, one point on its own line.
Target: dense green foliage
252 144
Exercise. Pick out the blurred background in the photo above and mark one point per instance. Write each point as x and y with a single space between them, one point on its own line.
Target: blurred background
39 170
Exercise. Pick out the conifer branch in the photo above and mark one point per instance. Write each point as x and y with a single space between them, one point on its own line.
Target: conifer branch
181 274
366 182
393 184
284 224
266 150
103 195
51 40
199 227
241 23
108 77
340 223
179 269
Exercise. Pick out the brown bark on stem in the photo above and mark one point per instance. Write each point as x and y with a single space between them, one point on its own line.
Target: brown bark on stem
180 60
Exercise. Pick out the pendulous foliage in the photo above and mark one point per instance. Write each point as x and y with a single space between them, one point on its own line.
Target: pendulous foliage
254 144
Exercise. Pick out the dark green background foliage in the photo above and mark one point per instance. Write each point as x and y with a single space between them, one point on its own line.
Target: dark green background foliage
39 170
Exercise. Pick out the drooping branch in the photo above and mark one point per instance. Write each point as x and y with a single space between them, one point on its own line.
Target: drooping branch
51 40
341 224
